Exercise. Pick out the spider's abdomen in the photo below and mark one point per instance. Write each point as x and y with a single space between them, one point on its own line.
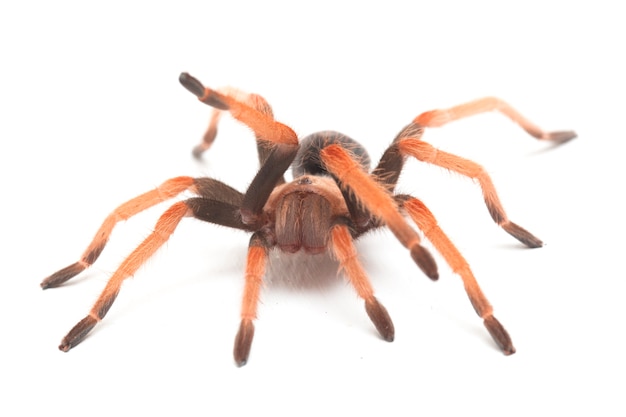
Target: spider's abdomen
303 219
308 158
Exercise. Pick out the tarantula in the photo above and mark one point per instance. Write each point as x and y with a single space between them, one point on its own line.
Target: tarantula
333 199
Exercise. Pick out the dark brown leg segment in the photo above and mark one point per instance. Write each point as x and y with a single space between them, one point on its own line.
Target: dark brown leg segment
243 342
209 135
264 182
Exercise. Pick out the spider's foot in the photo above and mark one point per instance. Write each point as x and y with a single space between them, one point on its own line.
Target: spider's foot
191 84
500 335
78 333
425 261
205 95
560 136
63 275
522 235
379 316
198 151
243 342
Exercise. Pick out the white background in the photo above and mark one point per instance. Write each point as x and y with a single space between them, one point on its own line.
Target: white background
92 114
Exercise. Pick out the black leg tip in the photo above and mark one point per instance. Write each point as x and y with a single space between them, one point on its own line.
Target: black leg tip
243 342
191 84
422 257
63 275
522 235
380 317
561 137
78 333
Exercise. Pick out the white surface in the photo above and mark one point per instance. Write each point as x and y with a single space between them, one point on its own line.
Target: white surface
92 114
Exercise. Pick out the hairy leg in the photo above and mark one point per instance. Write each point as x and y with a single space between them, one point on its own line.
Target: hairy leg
278 144
427 223
202 208
258 251
344 251
425 152
165 191
409 143
436 118
378 201
164 228
254 101
209 135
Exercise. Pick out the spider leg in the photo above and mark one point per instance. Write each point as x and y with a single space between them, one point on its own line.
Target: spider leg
252 100
378 201
427 223
209 135
436 118
255 271
409 143
343 249
165 191
164 228
202 208
278 141
425 152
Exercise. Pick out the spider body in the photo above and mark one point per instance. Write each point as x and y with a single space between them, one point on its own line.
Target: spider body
301 213
333 199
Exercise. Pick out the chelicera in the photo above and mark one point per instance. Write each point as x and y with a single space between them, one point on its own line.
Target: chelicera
334 198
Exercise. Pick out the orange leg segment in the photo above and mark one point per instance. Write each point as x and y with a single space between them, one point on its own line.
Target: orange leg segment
435 118
427 223
250 112
255 271
251 100
263 125
164 228
379 202
343 249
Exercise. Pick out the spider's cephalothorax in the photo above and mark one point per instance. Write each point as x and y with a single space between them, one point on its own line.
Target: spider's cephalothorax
333 199
305 209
